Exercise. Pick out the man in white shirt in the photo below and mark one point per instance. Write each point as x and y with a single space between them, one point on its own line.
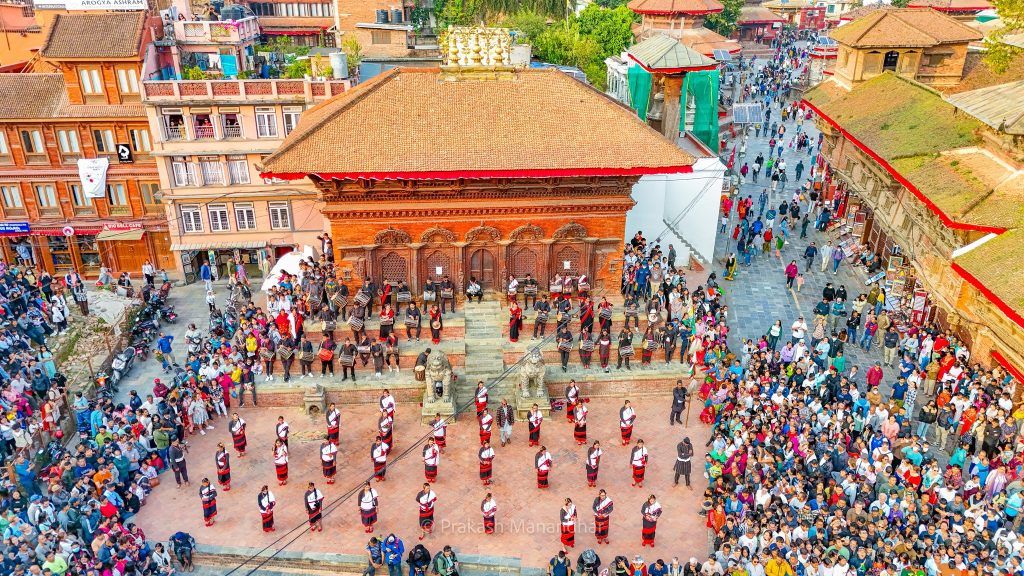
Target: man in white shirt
799 329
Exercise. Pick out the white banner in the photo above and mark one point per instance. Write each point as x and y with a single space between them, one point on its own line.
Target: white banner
94 4
93 173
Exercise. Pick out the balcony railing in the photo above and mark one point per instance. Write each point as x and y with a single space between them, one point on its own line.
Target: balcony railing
217 31
233 131
178 91
174 132
204 132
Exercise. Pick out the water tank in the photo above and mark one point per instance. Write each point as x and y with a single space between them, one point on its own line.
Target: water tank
382 16
396 15
339 64
233 12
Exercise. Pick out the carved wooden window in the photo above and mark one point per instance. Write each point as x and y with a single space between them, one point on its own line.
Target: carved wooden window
524 261
440 260
394 267
570 255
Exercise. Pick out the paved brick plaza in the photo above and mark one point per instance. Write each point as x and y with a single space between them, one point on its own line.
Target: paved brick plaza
527 517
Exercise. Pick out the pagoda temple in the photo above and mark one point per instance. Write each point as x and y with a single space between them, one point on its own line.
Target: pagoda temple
684 21
476 169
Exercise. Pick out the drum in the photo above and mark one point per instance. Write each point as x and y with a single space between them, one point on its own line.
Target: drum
447 293
542 317
429 296
584 287
404 297
355 322
555 288
565 345
307 356
587 345
530 289
410 321
512 291
631 312
285 353
605 313
387 321
347 359
339 300
314 301
363 349
626 351
421 373
329 326
362 298
436 324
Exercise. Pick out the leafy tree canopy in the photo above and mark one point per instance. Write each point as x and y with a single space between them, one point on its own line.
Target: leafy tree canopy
724 22
1000 56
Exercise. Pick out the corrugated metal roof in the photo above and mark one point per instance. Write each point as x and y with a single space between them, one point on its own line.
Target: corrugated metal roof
664 52
1000 106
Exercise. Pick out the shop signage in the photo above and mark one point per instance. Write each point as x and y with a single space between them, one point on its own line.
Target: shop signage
68 231
122 226
124 154
93 173
14 228
92 4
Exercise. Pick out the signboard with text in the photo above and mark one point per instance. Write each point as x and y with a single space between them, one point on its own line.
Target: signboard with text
93 4
14 228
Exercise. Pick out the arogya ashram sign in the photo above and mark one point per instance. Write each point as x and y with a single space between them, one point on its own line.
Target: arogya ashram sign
93 4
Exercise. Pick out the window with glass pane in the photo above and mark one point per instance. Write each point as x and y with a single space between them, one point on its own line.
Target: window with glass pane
12 196
245 216
79 199
128 81
46 196
88 252
104 139
232 125
4 151
280 215
191 220
32 141
266 123
210 168
184 172
91 82
60 253
151 197
116 195
291 118
238 169
140 140
218 217
68 140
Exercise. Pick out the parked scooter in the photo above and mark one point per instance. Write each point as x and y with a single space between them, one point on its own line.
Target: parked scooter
121 364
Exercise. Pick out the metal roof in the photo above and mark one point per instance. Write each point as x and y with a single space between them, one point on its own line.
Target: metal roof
1000 106
662 52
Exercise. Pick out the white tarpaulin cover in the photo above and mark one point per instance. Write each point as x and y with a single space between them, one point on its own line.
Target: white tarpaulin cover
288 263
93 173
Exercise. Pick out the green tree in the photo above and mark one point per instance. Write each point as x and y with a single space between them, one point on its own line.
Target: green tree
194 73
724 22
611 3
612 29
1000 55
900 3
530 23
353 52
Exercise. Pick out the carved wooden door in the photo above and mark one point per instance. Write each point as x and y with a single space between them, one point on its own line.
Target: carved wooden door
481 265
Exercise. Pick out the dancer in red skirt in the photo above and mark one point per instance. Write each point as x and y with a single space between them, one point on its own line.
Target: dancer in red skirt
567 517
314 502
333 424
481 398
572 398
440 426
543 463
329 458
489 508
208 495
426 499
627 416
486 424
223 462
593 462
486 454
266 502
368 507
580 427
379 457
237 429
431 458
651 511
535 419
603 507
638 459
281 461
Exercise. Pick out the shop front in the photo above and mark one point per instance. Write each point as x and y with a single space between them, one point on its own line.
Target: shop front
255 257
87 248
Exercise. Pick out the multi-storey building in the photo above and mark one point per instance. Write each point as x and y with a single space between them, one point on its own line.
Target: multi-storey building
90 109
210 136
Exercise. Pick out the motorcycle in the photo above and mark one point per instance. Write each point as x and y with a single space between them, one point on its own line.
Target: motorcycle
195 345
121 365
168 314
105 389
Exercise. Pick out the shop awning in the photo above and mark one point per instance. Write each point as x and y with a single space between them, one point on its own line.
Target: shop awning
113 235
218 246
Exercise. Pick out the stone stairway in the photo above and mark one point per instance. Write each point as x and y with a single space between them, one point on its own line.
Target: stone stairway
484 361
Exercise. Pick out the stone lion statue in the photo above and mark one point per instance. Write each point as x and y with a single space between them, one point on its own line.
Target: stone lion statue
439 374
531 375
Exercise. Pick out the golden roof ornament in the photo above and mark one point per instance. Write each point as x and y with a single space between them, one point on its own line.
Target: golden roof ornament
476 52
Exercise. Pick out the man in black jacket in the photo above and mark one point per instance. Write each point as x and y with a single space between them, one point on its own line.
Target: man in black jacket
679 396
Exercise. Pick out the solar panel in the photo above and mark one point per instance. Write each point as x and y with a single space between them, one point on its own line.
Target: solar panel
749 113
722 55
